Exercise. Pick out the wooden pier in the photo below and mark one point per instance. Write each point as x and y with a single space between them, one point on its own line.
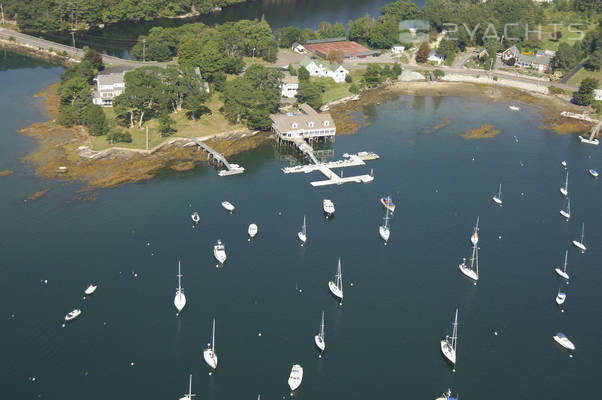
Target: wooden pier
231 169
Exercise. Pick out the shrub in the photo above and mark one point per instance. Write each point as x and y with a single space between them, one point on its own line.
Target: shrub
303 73
438 73
292 70
354 89
117 135
50 49
12 39
348 78
557 90
495 78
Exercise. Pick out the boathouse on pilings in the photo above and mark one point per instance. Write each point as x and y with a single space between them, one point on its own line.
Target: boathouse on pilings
305 124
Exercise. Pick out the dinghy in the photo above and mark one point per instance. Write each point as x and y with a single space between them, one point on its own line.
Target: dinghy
593 173
195 217
387 202
514 108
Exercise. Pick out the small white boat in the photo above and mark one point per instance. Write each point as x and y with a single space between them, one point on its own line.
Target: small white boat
564 341
73 314
560 297
383 230
514 108
219 251
448 345
564 164
387 202
180 300
228 206
446 396
90 289
296 376
303 233
190 394
567 213
328 207
471 271
498 197
580 244
209 352
319 338
195 217
474 239
562 272
253 229
336 287
565 189
593 172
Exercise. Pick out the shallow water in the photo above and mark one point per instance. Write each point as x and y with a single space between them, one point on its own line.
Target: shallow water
399 299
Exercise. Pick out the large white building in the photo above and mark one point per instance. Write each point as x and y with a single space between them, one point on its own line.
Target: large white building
289 86
325 69
305 124
108 86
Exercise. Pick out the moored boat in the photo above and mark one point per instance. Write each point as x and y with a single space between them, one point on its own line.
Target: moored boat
180 300
387 202
73 314
564 341
567 213
593 172
448 345
560 297
562 271
498 197
328 207
474 239
209 353
190 394
90 289
195 217
336 287
252 231
580 244
295 377
446 396
514 108
319 339
219 251
303 233
228 206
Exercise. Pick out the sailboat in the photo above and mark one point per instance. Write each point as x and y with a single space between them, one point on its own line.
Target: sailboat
336 287
580 244
473 271
319 338
562 272
560 297
565 189
498 197
180 300
303 234
209 353
219 251
189 395
448 345
446 396
564 164
567 213
295 377
383 230
253 229
474 239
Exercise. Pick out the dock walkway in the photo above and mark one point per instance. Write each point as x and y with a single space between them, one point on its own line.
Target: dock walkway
231 169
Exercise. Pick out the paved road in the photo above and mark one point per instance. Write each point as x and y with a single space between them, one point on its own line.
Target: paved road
75 52
573 71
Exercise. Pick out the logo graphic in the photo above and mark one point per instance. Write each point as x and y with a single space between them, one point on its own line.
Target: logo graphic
414 31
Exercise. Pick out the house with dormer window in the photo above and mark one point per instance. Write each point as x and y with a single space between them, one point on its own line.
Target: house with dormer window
325 68
307 123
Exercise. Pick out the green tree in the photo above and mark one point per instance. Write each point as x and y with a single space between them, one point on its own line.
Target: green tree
373 75
359 30
594 62
384 33
585 95
564 58
401 10
423 52
95 120
310 93
303 73
396 70
292 70
288 35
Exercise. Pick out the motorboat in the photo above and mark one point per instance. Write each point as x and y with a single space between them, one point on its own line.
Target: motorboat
498 197
565 189
560 297
296 376
319 338
448 345
387 202
514 108
219 251
303 233
593 172
336 286
562 272
564 341
195 217
252 230
90 289
73 314
567 213
228 206
328 206
180 299
580 244
209 353
446 396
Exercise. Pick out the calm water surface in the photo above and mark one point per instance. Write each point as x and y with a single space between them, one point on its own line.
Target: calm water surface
383 342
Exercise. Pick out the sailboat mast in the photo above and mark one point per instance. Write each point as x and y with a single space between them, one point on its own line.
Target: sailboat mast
455 334
213 337
179 278
566 253
582 231
304 226
190 388
476 252
322 326
340 277
499 194
566 182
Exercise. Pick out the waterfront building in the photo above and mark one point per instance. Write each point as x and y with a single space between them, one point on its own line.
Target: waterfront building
289 86
306 123
325 69
435 57
109 84
540 61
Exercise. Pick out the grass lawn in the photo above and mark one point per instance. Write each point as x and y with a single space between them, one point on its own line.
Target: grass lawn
584 73
205 126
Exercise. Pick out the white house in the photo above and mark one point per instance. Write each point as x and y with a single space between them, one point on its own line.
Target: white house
435 57
325 68
598 94
289 86
306 124
397 49
298 47
108 86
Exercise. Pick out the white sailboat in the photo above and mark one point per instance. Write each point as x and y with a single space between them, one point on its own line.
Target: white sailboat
336 287
447 396
580 244
252 231
448 345
565 189
219 252
474 239
180 300
190 394
564 341
567 213
564 164
562 272
296 376
303 234
383 230
209 353
498 197
560 297
471 271
319 338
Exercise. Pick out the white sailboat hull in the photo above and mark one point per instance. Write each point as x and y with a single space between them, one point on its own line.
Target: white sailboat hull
320 344
334 289
302 237
497 200
296 377
560 298
448 352
179 301
384 233
562 273
565 214
210 358
564 191
564 342
228 206
474 239
469 272
220 255
252 231
73 314
579 245
328 207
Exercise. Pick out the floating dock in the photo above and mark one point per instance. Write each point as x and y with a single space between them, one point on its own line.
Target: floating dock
231 169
